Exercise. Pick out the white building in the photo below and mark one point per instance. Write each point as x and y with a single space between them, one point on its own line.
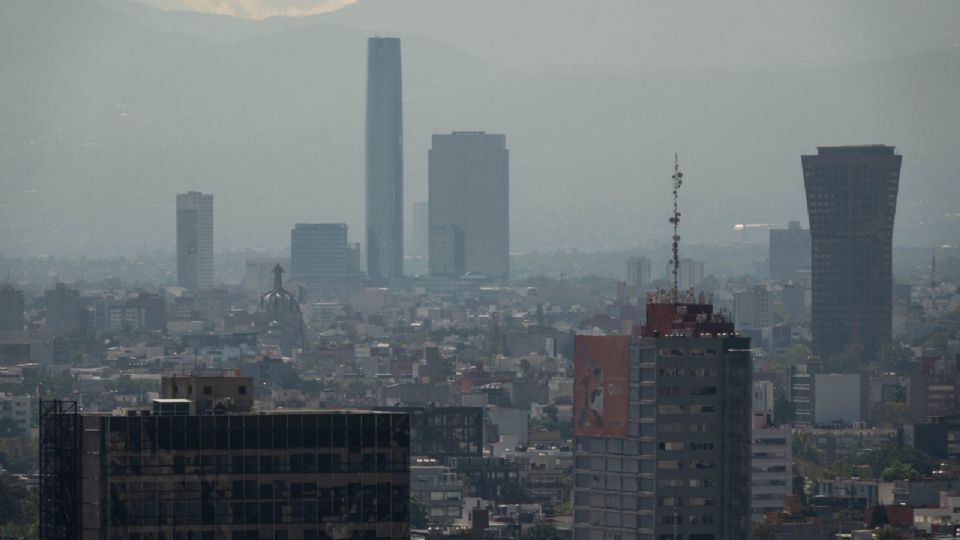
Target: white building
771 459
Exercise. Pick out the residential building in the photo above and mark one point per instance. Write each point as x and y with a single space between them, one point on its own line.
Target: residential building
771 470
662 429
789 252
469 198
638 273
801 391
195 240
851 202
384 159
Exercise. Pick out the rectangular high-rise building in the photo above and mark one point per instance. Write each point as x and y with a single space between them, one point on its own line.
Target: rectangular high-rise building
662 429
789 252
851 201
419 237
469 198
319 252
195 240
384 159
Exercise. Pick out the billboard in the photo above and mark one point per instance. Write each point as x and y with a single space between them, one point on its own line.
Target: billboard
600 395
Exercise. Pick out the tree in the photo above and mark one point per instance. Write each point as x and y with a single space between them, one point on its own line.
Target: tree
889 533
418 514
763 531
541 532
894 357
899 471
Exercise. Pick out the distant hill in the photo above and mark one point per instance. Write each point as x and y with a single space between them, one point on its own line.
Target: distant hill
109 108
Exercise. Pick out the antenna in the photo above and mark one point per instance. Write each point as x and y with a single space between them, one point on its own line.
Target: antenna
675 220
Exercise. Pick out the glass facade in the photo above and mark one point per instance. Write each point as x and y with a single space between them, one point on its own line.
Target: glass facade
278 476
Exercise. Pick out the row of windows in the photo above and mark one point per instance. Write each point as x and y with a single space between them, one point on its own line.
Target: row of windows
679 445
682 427
688 372
691 520
680 501
257 431
345 504
164 464
667 464
686 482
253 534
682 409
695 391
687 352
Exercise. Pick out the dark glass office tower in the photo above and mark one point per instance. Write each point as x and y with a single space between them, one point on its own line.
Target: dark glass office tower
851 201
384 173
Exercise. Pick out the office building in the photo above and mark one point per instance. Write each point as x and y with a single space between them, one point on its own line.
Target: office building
168 473
789 252
638 272
851 201
195 240
319 253
469 192
384 159
11 309
662 429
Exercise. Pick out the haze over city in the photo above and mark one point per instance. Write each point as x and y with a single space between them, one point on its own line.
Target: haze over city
110 106
479 270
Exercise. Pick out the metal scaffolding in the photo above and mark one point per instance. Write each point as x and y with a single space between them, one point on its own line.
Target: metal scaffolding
59 470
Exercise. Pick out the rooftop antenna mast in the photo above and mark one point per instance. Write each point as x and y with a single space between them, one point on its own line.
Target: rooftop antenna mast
675 220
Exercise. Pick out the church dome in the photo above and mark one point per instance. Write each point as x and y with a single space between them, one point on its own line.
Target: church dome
279 299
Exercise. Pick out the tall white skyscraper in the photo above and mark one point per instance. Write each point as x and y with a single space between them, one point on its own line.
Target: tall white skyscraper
195 240
469 200
384 159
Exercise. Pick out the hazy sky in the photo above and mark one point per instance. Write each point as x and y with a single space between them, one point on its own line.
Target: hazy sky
108 108
251 9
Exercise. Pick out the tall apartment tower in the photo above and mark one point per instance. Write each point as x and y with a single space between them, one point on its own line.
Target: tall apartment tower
469 190
662 429
789 252
638 272
851 201
11 309
319 252
195 240
384 159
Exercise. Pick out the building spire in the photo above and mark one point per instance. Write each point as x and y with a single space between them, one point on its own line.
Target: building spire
278 277
675 220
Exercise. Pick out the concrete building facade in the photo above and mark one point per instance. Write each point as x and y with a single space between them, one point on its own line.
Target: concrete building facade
319 253
680 467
